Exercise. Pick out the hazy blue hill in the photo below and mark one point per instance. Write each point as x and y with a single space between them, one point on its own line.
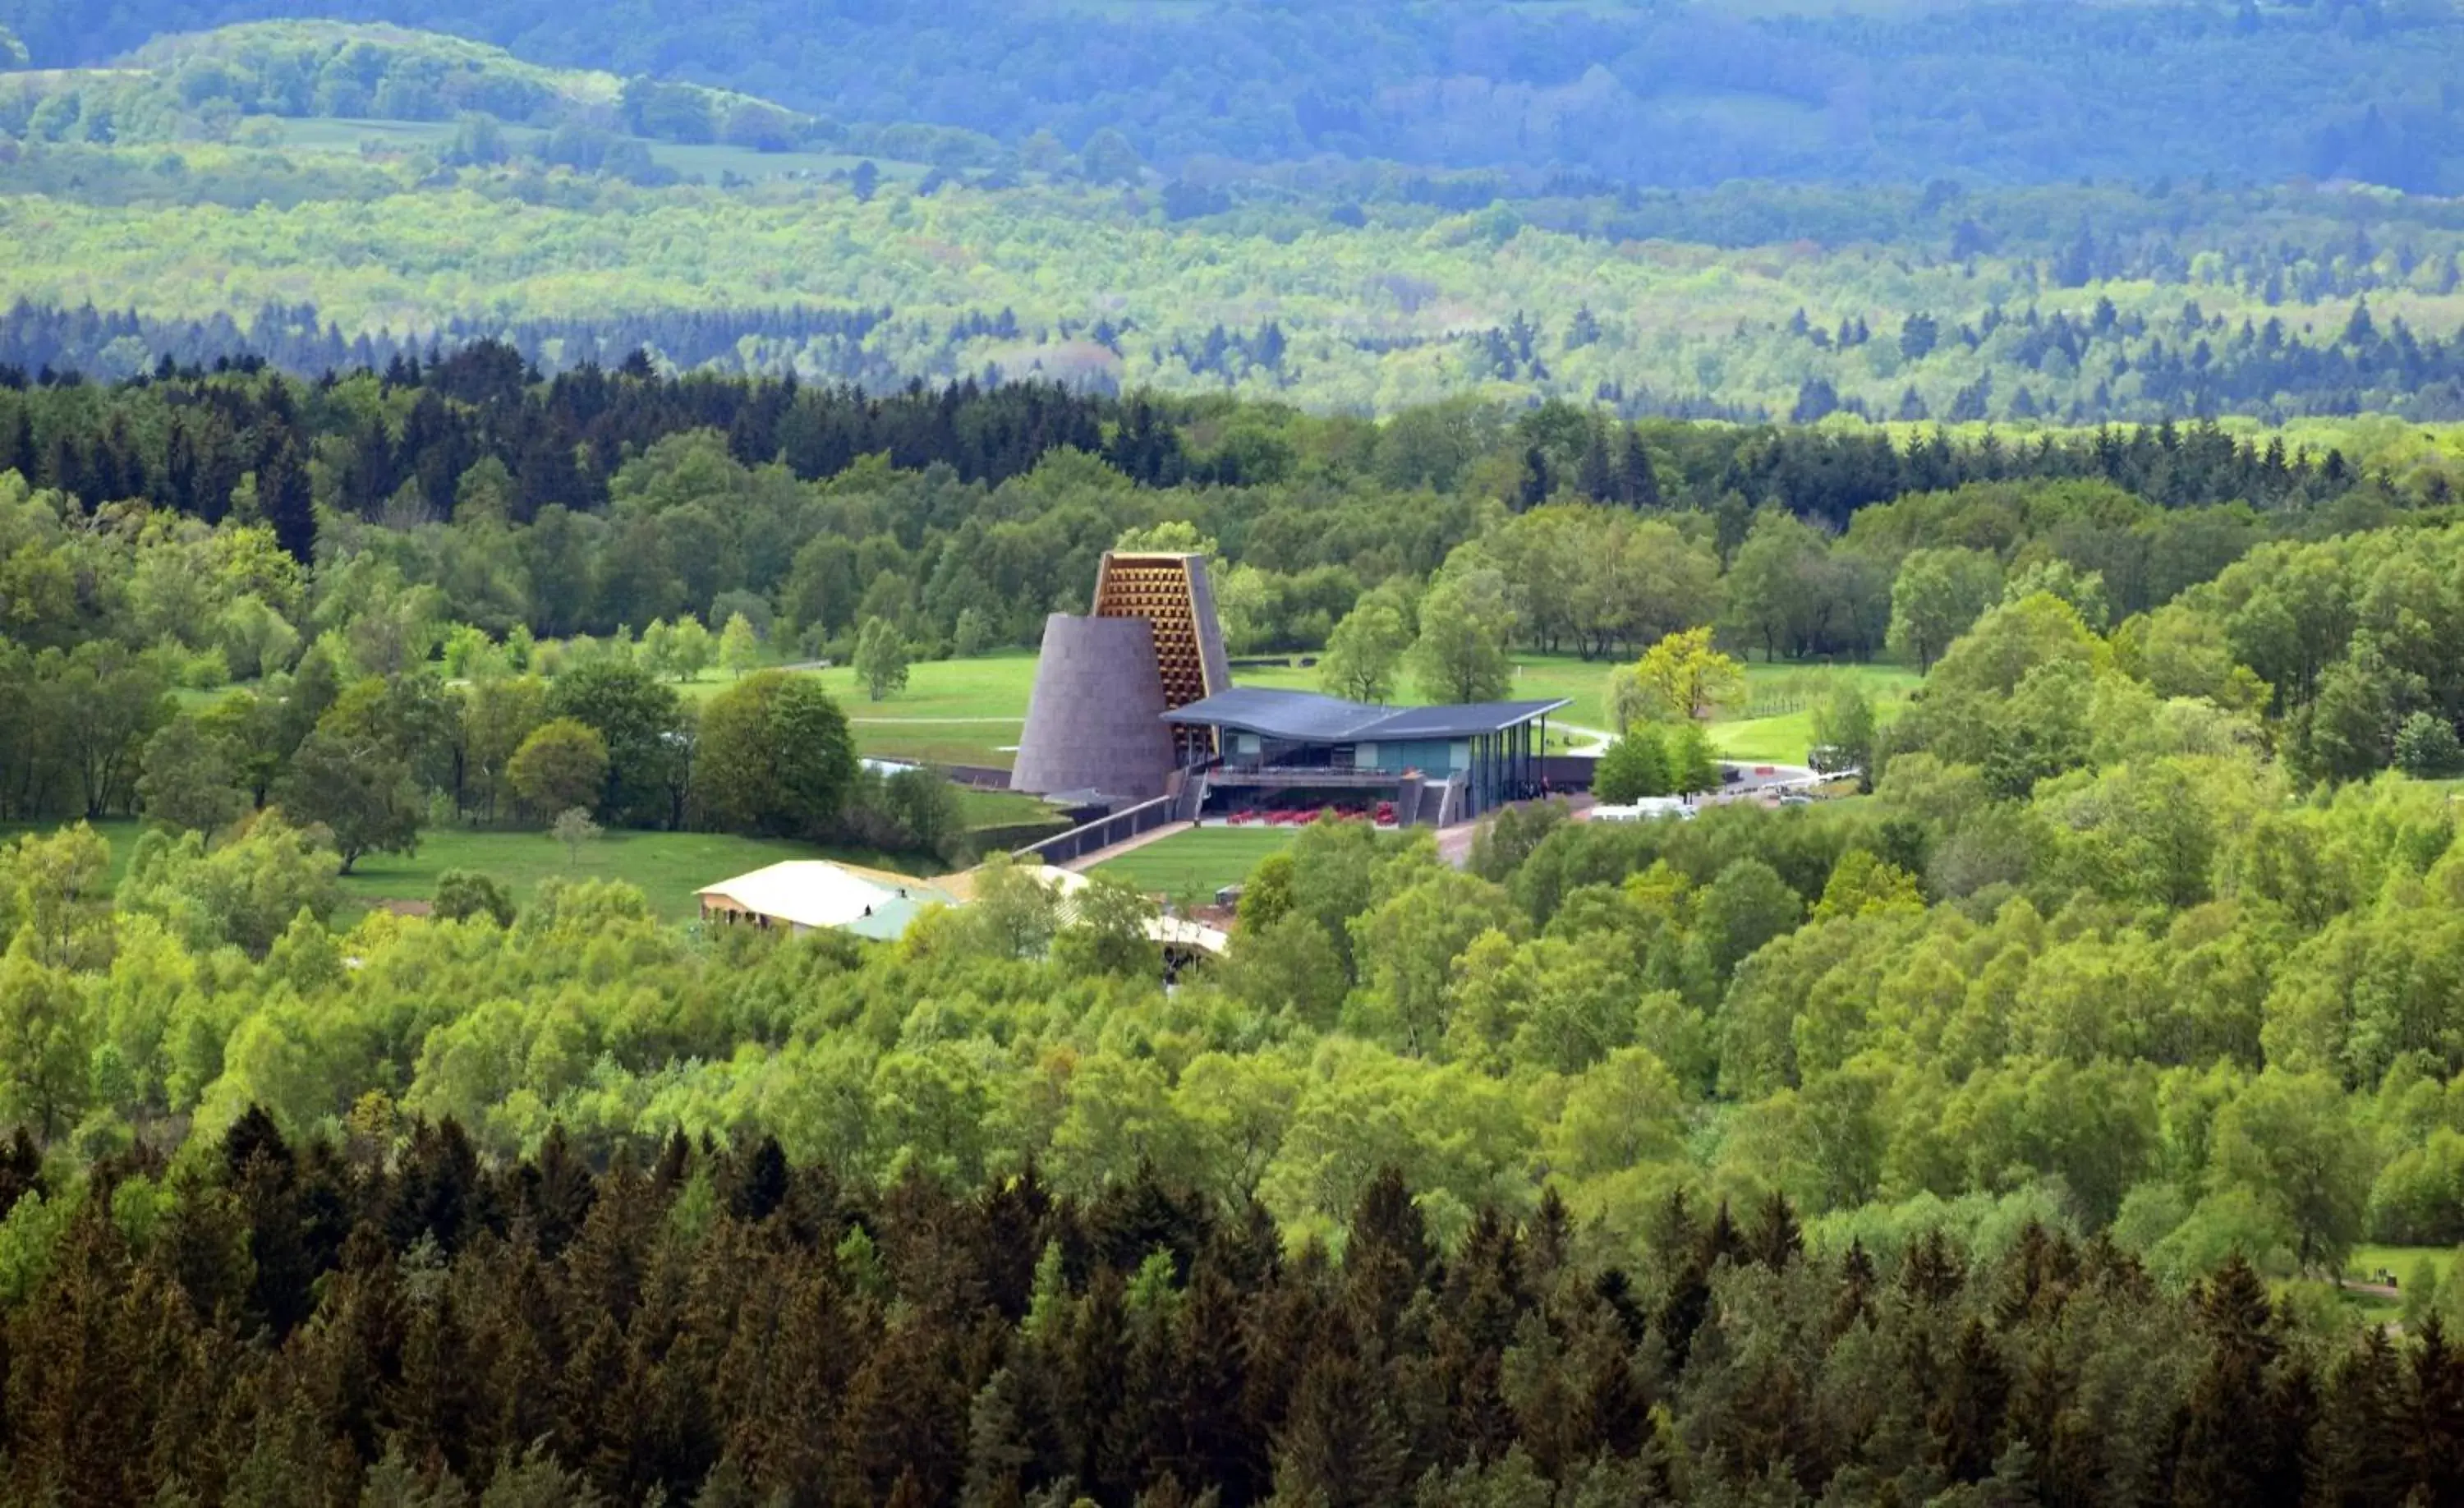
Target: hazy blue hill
1644 92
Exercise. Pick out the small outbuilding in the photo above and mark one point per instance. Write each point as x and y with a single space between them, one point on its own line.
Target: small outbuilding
801 894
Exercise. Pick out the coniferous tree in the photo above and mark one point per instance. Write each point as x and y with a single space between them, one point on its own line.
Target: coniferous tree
283 496
1596 476
1638 485
2235 1445
1538 480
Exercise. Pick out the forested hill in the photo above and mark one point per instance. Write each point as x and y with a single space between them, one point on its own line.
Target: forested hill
1662 94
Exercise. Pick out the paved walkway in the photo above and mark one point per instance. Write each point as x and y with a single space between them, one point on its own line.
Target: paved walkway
1594 741
1085 862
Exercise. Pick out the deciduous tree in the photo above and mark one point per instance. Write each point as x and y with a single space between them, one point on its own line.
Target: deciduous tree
881 658
562 764
1366 653
1683 677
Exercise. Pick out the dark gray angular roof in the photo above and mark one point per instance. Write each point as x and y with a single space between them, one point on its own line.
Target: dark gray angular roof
1307 717
1461 721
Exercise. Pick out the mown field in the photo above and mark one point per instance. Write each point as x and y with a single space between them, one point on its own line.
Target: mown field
1193 864
2405 1263
969 712
666 868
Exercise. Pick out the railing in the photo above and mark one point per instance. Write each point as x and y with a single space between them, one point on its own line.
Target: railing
1103 832
1299 774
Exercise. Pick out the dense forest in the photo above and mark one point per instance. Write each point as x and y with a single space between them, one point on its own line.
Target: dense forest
2046 421
1852 1150
1648 94
2139 930
556 547
277 1324
321 195
1335 289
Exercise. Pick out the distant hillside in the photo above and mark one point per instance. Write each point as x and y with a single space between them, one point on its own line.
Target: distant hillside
202 85
1659 93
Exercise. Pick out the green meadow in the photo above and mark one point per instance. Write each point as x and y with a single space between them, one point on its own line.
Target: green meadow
969 712
1193 865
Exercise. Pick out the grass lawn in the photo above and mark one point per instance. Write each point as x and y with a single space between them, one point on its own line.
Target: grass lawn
1781 736
1002 808
992 689
2368 1261
969 712
121 832
1193 865
2401 1260
953 711
668 868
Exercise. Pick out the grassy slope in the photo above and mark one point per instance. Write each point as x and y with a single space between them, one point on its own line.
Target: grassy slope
707 160
969 712
1195 864
668 868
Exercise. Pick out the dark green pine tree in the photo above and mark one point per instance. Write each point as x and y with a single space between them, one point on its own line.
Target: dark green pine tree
1596 476
2358 1455
1932 1271
557 1194
906 1411
284 500
282 1268
793 1418
1966 1417
1389 1255
20 457
1722 1242
21 1170
593 1379
1537 481
998 1453
436 1399
1209 1441
76 1432
1637 484
1095 1387
520 1344
2431 1419
65 470
1776 1240
2239 1439
761 1183
1339 1445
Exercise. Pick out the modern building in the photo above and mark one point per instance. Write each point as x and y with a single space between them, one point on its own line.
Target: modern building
1135 702
1436 765
1094 721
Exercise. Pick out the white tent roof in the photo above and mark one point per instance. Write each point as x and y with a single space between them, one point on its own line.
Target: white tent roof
1168 931
815 892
